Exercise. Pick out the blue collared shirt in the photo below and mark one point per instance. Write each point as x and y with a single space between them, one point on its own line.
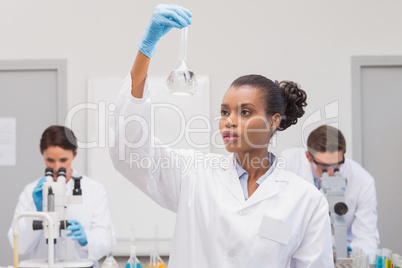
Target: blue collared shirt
243 175
316 181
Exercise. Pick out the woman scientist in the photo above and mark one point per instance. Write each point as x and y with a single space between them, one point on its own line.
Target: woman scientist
244 211
88 236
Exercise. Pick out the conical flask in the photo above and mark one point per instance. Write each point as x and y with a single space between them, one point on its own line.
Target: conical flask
133 261
110 262
155 261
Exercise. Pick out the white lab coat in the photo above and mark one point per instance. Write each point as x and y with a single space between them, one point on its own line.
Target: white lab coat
285 223
93 214
360 196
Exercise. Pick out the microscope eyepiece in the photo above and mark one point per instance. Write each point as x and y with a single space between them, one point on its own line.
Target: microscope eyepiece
49 172
62 172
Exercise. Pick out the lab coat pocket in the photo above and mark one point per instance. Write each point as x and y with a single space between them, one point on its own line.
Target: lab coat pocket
275 230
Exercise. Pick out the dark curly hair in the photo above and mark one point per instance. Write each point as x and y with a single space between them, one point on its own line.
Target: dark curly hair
285 97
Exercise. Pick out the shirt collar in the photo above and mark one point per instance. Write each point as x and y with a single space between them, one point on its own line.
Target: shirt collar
241 172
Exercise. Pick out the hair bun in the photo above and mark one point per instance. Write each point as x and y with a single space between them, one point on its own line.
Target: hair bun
295 100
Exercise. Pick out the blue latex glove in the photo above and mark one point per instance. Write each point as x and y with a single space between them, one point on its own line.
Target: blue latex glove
37 194
164 18
77 230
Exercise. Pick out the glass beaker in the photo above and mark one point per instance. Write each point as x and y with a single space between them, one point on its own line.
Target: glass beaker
182 80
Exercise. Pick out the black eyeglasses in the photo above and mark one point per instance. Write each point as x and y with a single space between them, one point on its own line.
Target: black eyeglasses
325 165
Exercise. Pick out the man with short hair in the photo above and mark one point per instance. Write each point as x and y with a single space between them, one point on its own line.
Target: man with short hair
326 151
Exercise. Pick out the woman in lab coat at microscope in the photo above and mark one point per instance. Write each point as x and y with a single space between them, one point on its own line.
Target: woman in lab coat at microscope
89 236
237 211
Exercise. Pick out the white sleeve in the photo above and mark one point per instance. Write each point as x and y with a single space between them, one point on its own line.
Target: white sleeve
315 249
28 239
98 236
364 226
138 156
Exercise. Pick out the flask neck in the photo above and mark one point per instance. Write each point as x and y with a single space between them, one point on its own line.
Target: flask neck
183 44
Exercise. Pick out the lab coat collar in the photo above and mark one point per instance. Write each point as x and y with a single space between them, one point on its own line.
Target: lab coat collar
308 168
266 190
305 161
231 180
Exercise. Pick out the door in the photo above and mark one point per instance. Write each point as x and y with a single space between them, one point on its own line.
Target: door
377 143
33 94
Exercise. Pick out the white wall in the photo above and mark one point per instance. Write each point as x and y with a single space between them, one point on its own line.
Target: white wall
310 42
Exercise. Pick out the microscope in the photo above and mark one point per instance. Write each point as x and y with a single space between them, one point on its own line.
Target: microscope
334 189
54 203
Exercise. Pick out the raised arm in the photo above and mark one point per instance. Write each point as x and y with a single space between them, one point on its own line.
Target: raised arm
133 115
164 18
138 75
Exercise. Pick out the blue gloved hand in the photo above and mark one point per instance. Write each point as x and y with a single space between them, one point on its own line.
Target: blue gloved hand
77 230
164 18
37 194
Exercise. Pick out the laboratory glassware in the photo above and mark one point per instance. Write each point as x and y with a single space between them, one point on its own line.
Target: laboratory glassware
182 80
133 261
155 261
110 262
